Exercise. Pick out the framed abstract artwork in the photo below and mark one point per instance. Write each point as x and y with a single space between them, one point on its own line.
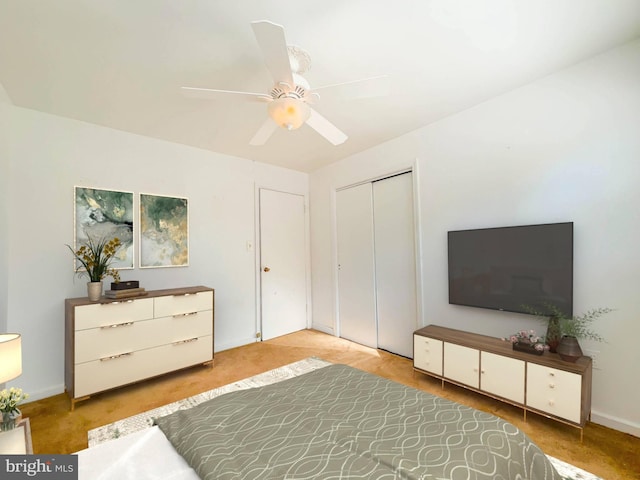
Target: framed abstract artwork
103 215
164 231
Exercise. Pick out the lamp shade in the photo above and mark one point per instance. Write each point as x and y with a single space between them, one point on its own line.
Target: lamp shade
288 112
10 356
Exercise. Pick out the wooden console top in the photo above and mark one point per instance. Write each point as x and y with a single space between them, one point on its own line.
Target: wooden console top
501 347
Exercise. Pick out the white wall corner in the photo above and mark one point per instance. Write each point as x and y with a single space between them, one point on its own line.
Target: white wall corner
4 96
238 342
323 329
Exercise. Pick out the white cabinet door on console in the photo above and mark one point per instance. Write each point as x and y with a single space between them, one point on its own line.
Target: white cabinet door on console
427 354
462 364
502 376
554 391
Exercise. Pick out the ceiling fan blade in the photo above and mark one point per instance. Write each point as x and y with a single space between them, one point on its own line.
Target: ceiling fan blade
264 132
211 94
270 37
364 88
325 128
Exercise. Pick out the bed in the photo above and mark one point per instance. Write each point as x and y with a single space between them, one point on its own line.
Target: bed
334 422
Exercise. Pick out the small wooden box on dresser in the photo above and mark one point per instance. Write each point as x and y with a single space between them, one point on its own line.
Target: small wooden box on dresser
544 384
111 343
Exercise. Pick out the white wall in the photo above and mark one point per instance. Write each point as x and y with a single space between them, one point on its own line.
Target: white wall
4 205
48 155
565 148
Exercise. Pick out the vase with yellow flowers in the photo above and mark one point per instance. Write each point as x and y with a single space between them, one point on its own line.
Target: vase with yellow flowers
9 401
96 257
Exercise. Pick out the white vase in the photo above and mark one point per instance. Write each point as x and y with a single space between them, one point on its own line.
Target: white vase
94 290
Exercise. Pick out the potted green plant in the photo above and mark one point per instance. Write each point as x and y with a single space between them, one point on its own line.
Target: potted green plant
95 258
572 329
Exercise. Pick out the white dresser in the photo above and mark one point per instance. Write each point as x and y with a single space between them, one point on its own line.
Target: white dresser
111 343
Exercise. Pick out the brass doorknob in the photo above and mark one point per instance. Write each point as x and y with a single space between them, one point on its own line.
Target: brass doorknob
266 269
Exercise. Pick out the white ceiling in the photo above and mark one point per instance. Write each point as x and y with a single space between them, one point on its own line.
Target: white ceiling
120 63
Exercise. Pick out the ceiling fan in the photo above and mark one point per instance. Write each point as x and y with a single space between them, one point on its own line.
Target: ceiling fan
288 102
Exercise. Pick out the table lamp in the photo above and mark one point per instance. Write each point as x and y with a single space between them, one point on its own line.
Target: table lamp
10 356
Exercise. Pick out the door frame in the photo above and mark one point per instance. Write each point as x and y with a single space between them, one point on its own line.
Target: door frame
258 248
413 168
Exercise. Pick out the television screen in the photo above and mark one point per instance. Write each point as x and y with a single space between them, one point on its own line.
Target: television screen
512 268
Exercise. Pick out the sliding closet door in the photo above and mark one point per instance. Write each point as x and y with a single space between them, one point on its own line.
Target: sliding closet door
377 297
356 282
395 264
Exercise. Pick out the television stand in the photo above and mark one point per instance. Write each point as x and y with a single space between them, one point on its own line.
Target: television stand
542 384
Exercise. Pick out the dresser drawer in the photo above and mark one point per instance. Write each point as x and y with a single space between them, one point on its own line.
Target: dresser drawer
554 391
97 343
427 354
129 367
183 304
103 314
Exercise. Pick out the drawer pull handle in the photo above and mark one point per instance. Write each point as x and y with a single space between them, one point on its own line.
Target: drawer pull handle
551 374
116 325
185 341
183 294
113 357
115 303
552 385
180 315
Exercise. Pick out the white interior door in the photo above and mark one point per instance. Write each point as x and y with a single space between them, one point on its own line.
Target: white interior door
283 266
395 263
356 281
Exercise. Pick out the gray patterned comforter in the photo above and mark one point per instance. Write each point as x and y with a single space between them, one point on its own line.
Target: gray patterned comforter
338 422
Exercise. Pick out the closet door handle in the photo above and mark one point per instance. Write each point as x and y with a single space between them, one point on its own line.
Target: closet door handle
266 269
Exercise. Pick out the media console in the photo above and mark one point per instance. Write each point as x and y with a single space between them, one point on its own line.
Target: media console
543 384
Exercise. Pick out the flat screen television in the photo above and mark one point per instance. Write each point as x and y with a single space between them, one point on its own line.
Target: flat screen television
510 268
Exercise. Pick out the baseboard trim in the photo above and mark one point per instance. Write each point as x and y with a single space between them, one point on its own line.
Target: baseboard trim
323 328
616 423
46 393
236 343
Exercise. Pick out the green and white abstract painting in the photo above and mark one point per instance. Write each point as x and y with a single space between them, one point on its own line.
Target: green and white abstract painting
164 231
105 214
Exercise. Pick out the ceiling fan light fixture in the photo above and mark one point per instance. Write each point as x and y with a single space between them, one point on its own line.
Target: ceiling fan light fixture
289 112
